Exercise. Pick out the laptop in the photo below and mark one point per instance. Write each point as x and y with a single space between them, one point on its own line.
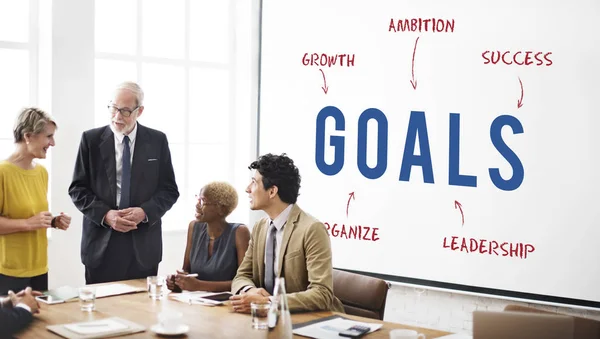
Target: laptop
521 325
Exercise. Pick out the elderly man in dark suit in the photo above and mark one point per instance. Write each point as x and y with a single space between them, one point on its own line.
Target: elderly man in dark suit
123 183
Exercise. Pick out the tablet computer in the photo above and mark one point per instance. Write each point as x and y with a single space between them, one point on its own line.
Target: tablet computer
214 298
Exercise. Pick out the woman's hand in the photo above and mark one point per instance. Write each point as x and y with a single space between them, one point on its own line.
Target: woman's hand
62 221
171 283
187 283
40 220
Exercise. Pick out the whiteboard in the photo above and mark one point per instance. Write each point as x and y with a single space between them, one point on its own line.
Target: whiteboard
451 143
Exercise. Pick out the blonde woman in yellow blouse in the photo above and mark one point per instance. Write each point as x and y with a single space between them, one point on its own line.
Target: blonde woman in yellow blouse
24 215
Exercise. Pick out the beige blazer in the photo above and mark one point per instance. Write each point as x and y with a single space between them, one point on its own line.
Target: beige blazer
304 262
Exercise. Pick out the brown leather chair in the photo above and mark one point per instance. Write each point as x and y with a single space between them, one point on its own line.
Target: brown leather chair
361 295
521 325
583 328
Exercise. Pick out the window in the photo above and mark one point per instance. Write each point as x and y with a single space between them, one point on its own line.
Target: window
181 53
25 66
25 63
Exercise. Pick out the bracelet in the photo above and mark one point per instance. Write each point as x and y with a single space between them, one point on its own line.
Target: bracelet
53 222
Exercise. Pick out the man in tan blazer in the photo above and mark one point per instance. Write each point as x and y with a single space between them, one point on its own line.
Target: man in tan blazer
300 246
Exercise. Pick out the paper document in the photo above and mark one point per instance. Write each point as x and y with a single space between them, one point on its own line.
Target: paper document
329 328
116 289
456 336
102 328
194 298
98 326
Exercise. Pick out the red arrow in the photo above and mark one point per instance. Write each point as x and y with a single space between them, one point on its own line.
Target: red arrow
351 197
324 88
520 102
459 206
413 82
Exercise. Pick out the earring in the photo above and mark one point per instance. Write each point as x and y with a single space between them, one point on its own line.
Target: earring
27 142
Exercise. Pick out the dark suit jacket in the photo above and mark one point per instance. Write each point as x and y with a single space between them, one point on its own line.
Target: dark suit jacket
13 320
94 191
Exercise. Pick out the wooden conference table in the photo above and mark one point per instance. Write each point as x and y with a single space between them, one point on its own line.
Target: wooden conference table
204 322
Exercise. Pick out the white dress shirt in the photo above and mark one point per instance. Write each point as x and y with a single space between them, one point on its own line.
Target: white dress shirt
21 305
24 306
279 223
119 154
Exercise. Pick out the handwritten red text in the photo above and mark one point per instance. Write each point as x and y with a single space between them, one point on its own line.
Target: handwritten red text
421 25
352 232
490 247
518 58
328 60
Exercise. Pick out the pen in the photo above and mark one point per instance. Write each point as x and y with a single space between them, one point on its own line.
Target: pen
194 275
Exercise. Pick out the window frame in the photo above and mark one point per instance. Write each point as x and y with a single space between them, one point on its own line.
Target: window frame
187 193
40 63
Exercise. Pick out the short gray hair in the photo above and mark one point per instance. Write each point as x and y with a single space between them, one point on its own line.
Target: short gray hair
133 88
31 120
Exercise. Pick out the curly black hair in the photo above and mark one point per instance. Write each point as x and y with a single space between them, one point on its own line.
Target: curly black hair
280 171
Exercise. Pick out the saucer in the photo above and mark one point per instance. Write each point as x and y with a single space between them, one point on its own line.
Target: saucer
181 329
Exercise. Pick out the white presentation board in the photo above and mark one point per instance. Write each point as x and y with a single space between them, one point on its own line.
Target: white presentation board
450 143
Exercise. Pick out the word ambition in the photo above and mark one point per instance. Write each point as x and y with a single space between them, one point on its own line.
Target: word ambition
517 58
417 131
328 60
482 246
421 25
357 232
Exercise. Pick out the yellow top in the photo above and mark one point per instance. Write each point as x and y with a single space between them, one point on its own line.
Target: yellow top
23 194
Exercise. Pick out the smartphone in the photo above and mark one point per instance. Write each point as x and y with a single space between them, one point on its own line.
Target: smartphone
355 331
224 296
48 299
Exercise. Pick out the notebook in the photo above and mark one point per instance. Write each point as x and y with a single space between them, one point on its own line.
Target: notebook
116 289
103 328
329 327
68 293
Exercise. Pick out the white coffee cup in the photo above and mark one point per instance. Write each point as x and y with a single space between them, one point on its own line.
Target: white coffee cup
170 321
406 334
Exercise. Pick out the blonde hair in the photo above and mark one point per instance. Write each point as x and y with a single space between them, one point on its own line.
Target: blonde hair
223 194
133 88
31 120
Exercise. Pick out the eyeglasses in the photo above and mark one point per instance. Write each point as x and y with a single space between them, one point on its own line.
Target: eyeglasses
126 112
203 202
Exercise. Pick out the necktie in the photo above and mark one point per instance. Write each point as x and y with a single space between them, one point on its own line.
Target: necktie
125 174
270 256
